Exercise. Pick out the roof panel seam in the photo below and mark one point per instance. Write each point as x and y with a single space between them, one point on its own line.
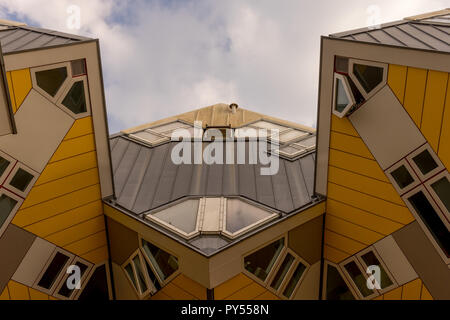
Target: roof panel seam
159 177
131 169
142 179
429 34
417 39
393 37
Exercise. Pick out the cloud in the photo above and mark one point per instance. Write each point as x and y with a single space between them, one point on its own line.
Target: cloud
162 58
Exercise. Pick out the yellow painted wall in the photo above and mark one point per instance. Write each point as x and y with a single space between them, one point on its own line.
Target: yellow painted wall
242 287
362 205
64 206
413 290
18 291
181 288
19 83
425 94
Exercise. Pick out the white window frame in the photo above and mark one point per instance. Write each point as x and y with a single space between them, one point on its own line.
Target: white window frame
13 211
155 272
434 195
421 176
12 163
292 140
413 174
66 90
383 265
348 92
18 166
344 278
290 155
83 279
63 85
422 224
61 274
163 139
150 287
350 279
365 94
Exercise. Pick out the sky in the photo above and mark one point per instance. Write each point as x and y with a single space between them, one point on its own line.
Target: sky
165 57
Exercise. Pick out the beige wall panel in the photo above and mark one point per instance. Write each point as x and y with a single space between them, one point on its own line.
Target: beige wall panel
122 287
306 240
386 128
309 288
89 51
122 241
395 260
41 126
32 264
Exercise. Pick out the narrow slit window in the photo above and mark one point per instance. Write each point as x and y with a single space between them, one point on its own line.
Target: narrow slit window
130 272
425 162
442 189
21 179
402 176
53 270
336 287
261 262
51 80
64 290
164 263
343 96
151 275
140 274
75 99
295 278
3 165
431 219
7 205
358 278
78 67
282 271
370 259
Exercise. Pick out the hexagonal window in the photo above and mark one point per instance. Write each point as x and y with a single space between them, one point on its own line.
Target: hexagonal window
368 76
51 80
75 100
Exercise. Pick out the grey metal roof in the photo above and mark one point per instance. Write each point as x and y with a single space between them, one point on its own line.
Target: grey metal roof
22 38
146 179
427 34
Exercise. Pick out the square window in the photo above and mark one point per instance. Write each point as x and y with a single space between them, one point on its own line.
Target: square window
78 67
402 176
3 165
425 162
21 179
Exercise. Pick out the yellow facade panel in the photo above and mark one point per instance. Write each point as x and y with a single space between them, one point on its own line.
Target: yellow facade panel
231 286
342 243
425 295
414 93
397 80
80 128
349 144
65 220
267 295
343 125
333 254
28 216
376 188
444 142
73 147
360 165
77 232
249 292
194 288
371 204
412 290
67 167
96 256
5 294
21 81
160 295
362 218
395 294
177 293
11 91
433 107
37 295
18 291
85 245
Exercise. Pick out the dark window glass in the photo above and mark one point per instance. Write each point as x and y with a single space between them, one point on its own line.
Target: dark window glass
140 274
442 189
371 260
402 176
164 263
75 100
3 165
130 272
51 80
78 67
97 287
341 96
261 262
284 268
53 270
294 280
65 291
432 220
368 76
7 204
358 278
336 287
425 162
152 276
21 179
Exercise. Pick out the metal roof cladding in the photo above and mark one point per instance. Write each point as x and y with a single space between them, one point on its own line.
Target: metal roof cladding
17 37
427 32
